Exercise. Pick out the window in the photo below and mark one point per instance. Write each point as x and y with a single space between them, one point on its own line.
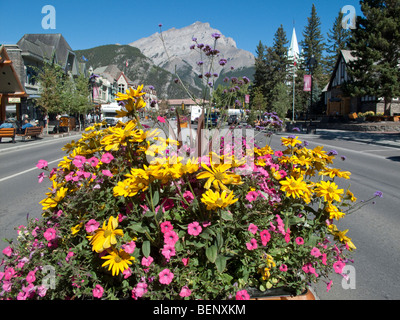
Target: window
121 88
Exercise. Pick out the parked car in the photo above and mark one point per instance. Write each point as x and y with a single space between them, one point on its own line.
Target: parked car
233 119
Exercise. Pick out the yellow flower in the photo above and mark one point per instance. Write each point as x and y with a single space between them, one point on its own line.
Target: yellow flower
265 274
334 212
52 202
333 172
214 200
290 141
329 191
76 229
191 166
350 196
218 176
117 261
105 237
341 236
296 188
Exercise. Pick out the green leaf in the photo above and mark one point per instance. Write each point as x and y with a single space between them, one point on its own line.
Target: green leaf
138 228
227 216
211 253
146 248
156 198
220 240
220 262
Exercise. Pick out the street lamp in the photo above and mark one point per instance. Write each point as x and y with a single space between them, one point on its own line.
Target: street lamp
311 65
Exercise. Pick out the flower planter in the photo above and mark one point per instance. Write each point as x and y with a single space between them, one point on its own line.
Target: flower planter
280 294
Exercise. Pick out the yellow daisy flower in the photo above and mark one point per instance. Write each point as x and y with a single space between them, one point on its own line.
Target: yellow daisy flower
117 261
329 191
296 188
214 200
218 176
106 236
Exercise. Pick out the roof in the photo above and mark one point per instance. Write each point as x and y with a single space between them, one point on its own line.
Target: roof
347 57
9 81
176 102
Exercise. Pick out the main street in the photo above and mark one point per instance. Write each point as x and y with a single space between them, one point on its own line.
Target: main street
373 162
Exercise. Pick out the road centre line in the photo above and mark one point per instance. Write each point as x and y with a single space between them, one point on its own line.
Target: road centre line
26 171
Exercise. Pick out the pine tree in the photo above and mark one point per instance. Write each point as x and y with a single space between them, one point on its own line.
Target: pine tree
260 74
313 46
376 46
338 39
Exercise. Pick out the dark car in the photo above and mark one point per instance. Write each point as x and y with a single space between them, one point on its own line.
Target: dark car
233 119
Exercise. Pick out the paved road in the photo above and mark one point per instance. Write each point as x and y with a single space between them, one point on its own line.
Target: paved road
373 160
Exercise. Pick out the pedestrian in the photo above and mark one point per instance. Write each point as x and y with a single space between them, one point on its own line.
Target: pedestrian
57 126
26 124
6 125
45 120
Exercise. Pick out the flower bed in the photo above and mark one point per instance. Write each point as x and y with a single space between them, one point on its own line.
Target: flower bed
129 216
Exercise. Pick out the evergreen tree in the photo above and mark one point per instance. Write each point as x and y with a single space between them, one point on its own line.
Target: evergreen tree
260 74
313 46
281 100
279 58
376 46
338 39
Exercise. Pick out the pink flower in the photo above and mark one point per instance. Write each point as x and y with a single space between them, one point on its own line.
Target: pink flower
324 259
50 234
283 268
8 251
287 236
127 273
194 228
69 256
252 196
299 241
278 153
93 161
252 245
42 164
338 266
139 291
166 226
92 225
185 292
189 197
98 291
41 291
242 295
161 119
41 177
107 173
315 252
329 285
30 278
265 237
252 228
79 161
166 276
170 237
129 247
185 261
146 262
168 204
107 157
168 251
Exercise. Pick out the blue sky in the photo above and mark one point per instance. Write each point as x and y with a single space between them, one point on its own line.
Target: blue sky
86 24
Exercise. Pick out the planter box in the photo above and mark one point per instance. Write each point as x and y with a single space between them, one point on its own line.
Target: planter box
279 294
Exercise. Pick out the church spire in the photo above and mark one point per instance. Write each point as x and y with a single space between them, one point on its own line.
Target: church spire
294 52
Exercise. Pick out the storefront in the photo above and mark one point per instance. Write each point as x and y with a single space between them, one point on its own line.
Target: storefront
12 92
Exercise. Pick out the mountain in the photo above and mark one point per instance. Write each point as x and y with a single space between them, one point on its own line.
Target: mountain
140 68
184 60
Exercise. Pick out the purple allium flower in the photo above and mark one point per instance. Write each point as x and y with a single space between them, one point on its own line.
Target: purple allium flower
192 47
223 62
332 153
200 63
246 80
194 39
216 35
215 75
343 158
378 194
296 129
160 25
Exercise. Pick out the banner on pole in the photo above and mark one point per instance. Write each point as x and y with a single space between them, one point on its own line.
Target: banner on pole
247 98
307 82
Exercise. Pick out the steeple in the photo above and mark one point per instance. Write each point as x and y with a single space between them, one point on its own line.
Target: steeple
294 52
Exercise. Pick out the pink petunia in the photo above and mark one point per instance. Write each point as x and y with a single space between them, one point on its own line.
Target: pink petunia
299 241
170 237
92 225
79 161
185 261
253 228
252 245
107 157
50 234
98 291
166 276
127 273
146 262
161 119
107 173
194 228
41 177
315 252
8 251
70 254
166 226
30 278
42 164
129 247
93 161
168 251
283 268
188 196
185 292
329 286
252 196
265 237
242 295
139 291
338 266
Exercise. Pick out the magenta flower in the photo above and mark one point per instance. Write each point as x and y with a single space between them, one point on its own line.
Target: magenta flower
185 261
299 241
252 196
338 266
139 291
253 228
79 161
252 245
93 161
98 291
265 237
315 252
166 226
161 119
69 256
107 173
188 196
129 247
166 276
30 278
42 164
185 292
146 262
41 177
50 234
107 157
8 251
283 268
329 285
242 295
170 237
91 226
194 228
168 251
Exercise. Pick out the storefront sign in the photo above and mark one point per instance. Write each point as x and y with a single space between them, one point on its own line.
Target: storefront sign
14 100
